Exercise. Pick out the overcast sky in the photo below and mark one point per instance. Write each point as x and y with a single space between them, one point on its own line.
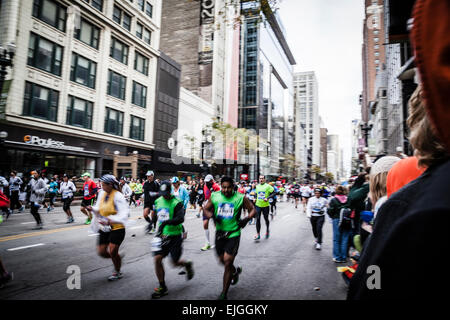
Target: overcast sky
325 36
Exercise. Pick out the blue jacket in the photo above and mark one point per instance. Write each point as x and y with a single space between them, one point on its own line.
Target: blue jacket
183 195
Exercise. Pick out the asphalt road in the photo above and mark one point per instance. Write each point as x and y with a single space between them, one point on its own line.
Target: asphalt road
285 266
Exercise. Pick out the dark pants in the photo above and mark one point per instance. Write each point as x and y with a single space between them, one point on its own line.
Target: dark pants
52 198
14 201
317 224
265 212
35 213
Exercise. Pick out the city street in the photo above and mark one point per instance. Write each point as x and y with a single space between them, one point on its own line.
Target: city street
286 266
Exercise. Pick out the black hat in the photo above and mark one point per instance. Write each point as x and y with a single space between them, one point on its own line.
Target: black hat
165 188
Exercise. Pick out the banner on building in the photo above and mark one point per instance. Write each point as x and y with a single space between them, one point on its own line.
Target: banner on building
206 32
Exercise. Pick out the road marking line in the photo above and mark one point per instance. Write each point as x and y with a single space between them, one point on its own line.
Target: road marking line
27 222
25 247
94 234
39 233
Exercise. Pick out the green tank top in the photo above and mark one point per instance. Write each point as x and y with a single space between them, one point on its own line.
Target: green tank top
263 191
165 211
229 210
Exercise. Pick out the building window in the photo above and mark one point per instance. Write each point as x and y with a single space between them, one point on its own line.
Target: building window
139 94
141 63
44 54
88 33
139 30
149 9
116 85
375 32
122 18
377 61
40 102
377 46
375 39
377 54
137 127
119 50
114 122
141 4
97 4
147 36
79 113
50 12
83 71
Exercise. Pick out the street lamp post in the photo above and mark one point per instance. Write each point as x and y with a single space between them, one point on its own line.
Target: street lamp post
6 60
366 128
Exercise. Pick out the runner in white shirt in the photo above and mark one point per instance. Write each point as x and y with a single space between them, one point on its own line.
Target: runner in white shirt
316 210
306 194
66 189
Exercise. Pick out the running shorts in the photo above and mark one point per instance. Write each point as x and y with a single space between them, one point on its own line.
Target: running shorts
228 245
171 245
115 237
86 203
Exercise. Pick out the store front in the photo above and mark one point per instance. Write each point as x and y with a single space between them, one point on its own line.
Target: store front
26 149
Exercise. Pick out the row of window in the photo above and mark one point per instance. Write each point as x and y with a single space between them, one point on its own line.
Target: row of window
54 14
46 55
42 102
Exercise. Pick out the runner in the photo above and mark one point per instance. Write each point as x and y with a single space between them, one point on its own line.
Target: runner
201 196
139 192
225 209
111 214
125 189
38 190
263 192
14 188
181 194
316 209
170 216
133 187
89 194
66 190
53 192
306 194
208 189
151 187
273 201
193 195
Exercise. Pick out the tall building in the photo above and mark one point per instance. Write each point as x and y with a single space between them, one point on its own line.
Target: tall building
203 38
266 89
323 149
81 91
334 155
373 52
307 106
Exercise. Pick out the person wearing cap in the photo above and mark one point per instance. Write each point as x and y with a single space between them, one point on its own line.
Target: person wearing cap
264 191
209 187
111 213
14 188
201 195
38 190
67 189
315 211
225 208
180 191
412 224
150 187
125 189
169 212
89 193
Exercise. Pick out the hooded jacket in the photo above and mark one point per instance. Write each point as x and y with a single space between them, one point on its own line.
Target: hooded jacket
336 203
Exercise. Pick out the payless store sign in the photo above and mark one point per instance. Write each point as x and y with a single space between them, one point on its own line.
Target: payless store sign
49 143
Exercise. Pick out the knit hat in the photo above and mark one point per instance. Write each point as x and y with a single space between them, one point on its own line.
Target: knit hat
383 164
431 43
402 173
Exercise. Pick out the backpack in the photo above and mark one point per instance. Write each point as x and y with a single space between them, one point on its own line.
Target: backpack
346 219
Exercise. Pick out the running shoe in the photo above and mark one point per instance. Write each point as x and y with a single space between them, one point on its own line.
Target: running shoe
38 226
257 237
160 292
115 276
48 209
8 213
198 215
189 270
318 246
70 220
222 297
206 247
267 235
88 221
22 208
235 278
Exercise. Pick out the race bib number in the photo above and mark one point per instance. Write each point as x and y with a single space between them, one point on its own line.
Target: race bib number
317 208
261 195
225 210
66 194
86 191
50 190
200 191
163 214
270 200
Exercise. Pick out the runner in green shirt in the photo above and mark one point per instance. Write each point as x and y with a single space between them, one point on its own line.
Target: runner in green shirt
225 208
264 191
170 214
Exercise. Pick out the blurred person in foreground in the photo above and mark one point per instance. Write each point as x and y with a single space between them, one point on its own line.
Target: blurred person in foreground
411 223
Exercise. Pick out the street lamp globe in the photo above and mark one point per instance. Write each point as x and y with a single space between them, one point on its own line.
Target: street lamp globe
3 135
116 152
